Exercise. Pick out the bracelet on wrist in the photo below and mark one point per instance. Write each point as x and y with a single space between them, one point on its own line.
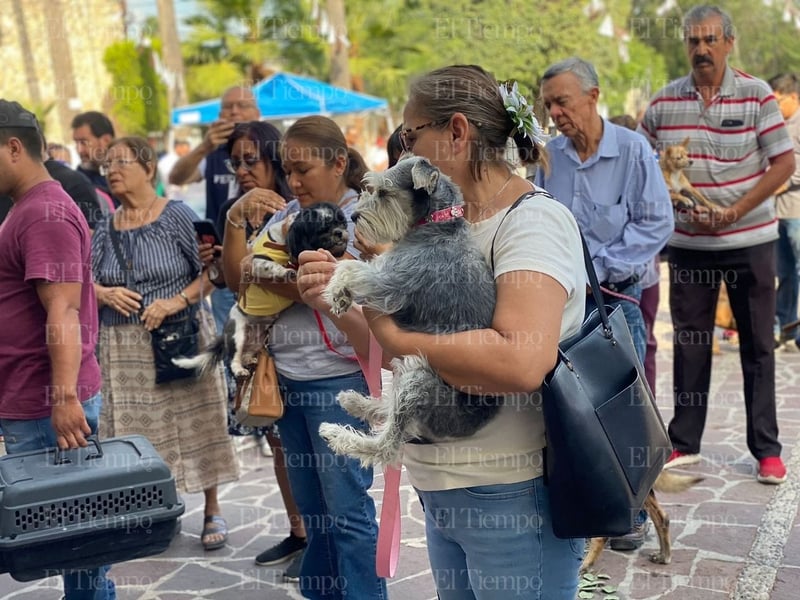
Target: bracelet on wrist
183 295
233 223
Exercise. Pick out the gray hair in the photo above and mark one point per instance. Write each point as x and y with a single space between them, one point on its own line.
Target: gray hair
706 11
582 69
473 92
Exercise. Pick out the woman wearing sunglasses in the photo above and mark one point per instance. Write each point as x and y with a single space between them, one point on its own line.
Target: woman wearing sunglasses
255 160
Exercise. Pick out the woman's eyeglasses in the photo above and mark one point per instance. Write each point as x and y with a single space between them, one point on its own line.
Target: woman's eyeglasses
116 164
248 162
408 135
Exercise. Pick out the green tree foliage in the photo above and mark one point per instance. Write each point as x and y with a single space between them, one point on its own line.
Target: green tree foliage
211 79
514 39
122 62
249 38
138 96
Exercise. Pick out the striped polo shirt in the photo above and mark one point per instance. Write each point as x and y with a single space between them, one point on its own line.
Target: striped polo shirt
731 142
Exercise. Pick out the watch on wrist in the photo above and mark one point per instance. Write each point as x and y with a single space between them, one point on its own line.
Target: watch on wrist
214 275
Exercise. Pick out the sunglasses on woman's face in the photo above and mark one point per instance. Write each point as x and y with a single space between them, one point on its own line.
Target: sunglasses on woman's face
248 162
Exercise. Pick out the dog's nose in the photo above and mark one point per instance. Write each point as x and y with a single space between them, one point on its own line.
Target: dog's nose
338 234
354 217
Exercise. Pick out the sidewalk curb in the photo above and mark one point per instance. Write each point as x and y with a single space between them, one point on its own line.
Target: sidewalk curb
766 555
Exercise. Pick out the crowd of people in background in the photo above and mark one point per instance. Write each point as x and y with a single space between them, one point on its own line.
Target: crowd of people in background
126 228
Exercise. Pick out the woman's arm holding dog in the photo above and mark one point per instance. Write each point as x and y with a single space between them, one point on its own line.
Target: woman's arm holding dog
252 207
316 268
513 356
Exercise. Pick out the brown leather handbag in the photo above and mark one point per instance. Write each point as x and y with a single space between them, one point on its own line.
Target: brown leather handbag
258 398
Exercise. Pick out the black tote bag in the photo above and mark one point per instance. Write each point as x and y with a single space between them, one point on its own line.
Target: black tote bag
606 441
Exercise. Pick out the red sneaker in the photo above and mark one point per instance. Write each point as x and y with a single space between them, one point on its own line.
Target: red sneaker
771 470
677 459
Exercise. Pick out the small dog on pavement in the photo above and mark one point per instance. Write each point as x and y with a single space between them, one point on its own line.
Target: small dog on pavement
684 196
322 225
434 279
668 482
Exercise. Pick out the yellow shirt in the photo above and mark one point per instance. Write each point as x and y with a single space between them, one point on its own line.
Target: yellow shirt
256 300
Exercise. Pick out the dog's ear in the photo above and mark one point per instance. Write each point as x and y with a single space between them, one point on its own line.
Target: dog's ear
685 142
424 176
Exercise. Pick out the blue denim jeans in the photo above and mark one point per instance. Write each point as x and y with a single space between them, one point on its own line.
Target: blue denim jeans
36 434
494 542
331 493
222 301
788 262
633 316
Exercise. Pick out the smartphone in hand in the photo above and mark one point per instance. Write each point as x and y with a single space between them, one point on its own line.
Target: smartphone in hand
207 233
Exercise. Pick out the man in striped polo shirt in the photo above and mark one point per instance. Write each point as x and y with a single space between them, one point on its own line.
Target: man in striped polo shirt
742 154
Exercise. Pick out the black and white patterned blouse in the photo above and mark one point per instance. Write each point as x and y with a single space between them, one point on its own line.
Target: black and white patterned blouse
165 259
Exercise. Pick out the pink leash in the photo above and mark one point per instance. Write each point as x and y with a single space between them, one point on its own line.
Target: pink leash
388 552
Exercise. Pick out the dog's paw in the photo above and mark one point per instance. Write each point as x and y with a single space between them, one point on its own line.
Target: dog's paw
346 441
340 300
240 372
659 558
356 404
264 268
334 435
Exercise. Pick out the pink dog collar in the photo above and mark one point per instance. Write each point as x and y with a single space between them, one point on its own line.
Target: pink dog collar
446 214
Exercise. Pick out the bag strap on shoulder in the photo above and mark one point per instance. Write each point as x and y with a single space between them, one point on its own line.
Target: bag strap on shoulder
125 264
587 259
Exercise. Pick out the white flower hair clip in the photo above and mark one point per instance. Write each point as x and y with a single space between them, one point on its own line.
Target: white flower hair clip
521 114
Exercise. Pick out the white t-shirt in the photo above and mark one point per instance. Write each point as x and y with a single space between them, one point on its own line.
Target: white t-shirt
539 235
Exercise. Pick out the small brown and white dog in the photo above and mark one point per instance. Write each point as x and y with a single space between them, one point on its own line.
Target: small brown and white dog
684 196
668 483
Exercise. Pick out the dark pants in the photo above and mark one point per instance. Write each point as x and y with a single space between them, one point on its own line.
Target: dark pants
649 307
695 279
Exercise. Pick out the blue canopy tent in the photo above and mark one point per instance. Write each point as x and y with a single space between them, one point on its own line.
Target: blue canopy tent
287 96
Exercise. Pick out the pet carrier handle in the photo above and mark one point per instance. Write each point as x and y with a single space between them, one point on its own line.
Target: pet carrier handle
61 457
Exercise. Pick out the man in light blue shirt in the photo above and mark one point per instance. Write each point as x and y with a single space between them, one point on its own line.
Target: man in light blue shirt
609 178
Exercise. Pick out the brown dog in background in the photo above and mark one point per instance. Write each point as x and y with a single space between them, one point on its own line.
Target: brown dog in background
668 483
684 196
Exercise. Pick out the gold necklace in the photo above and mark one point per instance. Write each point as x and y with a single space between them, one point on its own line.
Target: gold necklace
494 197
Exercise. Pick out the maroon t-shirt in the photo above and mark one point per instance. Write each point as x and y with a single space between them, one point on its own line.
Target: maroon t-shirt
44 237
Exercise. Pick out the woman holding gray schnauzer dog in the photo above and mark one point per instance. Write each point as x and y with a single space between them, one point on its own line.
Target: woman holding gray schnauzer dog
486 506
315 361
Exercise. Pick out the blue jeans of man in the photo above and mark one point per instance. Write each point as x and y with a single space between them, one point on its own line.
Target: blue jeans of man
222 301
37 434
495 542
788 262
632 312
635 321
331 493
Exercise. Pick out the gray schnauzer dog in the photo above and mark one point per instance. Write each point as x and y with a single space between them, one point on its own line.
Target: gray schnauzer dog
433 280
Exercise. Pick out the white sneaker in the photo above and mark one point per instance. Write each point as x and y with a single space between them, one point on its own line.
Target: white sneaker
263 445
